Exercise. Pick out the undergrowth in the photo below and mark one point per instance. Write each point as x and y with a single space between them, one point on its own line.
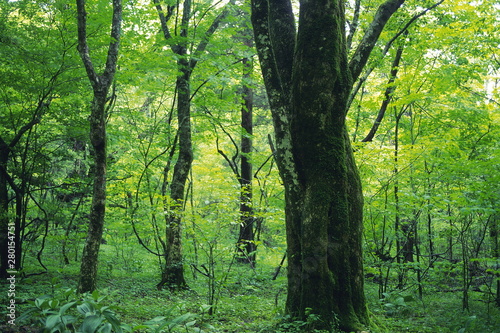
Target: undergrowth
249 301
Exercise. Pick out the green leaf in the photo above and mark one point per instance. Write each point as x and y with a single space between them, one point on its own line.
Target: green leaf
65 307
106 328
86 308
91 323
52 321
111 318
408 298
68 319
155 320
41 303
95 295
179 320
54 303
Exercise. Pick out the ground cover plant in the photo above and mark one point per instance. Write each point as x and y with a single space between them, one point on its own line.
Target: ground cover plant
248 302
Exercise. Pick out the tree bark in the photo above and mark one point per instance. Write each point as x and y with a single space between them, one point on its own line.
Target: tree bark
308 85
100 85
246 239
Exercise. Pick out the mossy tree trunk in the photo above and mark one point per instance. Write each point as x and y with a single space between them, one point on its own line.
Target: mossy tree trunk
101 84
308 79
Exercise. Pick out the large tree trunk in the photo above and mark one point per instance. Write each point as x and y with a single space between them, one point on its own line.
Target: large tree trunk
321 86
308 85
100 85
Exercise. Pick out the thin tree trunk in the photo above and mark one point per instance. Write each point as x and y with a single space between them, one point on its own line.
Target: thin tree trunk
100 85
89 264
397 217
4 211
10 231
387 96
451 229
173 273
246 240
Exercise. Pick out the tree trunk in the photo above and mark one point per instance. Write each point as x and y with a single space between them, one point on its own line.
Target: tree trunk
495 249
308 85
246 240
10 231
321 85
89 264
173 273
100 84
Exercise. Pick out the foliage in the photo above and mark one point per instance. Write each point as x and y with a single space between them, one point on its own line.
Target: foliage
431 218
68 312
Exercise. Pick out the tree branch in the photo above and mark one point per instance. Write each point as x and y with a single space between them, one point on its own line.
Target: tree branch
274 31
114 45
164 19
83 47
362 53
208 34
37 116
388 96
386 49
353 26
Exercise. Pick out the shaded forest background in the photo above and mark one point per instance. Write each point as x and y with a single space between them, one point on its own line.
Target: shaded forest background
423 119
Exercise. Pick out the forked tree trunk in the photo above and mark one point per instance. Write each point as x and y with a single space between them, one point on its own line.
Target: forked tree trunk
100 85
308 85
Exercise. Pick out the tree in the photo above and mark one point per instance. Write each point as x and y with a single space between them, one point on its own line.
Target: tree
101 84
173 273
308 80
33 75
246 239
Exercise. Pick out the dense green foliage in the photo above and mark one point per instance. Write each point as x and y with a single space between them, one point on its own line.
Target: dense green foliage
431 173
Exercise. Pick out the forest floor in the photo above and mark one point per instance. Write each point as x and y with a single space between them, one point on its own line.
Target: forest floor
247 300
